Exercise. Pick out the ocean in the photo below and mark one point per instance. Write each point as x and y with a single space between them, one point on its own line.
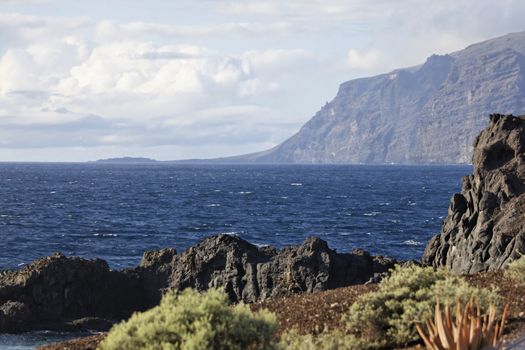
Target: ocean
116 212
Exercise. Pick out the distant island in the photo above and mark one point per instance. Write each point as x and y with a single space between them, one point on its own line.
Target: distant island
126 160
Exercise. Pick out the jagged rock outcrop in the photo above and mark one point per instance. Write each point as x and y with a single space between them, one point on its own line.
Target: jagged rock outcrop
59 289
61 292
485 226
250 273
430 113
155 271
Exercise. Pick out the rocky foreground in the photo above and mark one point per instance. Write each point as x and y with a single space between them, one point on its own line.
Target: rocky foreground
310 312
70 293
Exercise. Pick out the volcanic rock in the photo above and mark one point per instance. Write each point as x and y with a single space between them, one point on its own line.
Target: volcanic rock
249 273
14 316
155 271
60 288
485 226
71 293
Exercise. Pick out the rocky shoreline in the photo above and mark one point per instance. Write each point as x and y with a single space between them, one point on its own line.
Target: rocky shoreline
306 312
71 293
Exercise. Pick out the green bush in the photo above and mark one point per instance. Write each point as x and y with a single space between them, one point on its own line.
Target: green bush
329 340
387 317
193 321
516 270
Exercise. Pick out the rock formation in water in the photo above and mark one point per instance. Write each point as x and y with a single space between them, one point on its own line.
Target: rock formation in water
59 288
250 273
72 293
425 114
485 226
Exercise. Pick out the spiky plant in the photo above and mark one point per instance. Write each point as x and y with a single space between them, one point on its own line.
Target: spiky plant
470 331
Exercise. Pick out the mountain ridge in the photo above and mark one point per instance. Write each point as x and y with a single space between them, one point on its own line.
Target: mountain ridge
425 114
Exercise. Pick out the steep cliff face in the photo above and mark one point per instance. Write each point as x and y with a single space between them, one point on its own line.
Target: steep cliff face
425 114
485 226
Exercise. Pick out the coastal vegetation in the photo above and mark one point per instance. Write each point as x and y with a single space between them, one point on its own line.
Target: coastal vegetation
386 317
389 316
191 320
468 329
516 270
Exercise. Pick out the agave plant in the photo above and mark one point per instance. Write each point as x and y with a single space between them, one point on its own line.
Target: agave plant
470 331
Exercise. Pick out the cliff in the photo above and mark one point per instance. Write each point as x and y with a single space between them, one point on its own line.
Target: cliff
425 114
485 226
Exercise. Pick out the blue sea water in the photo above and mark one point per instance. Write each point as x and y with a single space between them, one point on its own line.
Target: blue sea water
116 212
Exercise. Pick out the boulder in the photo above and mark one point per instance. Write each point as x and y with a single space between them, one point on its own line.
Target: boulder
93 324
60 288
485 226
15 316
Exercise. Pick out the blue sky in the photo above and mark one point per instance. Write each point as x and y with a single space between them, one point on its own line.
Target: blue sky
82 80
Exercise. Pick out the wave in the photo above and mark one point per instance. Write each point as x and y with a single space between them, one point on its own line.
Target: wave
229 233
412 242
105 234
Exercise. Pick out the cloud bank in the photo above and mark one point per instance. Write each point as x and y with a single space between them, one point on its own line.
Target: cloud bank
79 87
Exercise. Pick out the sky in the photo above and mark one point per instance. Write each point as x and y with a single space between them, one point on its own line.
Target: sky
168 79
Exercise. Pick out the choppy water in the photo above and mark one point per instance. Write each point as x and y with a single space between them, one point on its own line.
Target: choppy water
118 211
31 340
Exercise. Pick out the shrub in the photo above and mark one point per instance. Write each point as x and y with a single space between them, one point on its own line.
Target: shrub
333 340
193 321
516 270
387 317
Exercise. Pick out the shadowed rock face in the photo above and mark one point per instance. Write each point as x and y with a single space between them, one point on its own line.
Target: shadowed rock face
485 226
59 288
72 293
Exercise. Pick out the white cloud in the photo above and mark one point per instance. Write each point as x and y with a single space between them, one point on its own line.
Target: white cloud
271 60
142 93
112 30
364 60
233 74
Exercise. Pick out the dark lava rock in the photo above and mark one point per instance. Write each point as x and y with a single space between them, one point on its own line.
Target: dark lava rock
14 316
249 273
155 271
59 288
93 324
157 258
53 292
485 226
